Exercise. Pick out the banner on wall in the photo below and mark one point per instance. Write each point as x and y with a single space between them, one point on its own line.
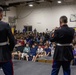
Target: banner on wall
73 18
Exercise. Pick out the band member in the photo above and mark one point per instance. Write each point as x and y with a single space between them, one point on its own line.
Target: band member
6 47
63 54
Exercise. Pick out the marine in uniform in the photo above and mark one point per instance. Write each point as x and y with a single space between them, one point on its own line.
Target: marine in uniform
6 47
63 54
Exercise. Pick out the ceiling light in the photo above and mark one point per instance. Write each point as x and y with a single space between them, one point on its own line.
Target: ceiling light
59 2
30 5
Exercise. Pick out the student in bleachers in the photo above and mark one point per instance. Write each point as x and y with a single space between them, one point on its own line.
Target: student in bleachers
24 30
52 47
47 50
42 45
27 38
38 38
47 42
26 52
42 36
22 41
36 45
33 52
41 41
40 51
30 42
47 36
17 51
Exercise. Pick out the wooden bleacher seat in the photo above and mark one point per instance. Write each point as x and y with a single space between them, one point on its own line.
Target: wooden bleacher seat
45 60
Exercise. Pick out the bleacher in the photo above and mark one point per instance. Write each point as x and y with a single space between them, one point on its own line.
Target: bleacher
45 59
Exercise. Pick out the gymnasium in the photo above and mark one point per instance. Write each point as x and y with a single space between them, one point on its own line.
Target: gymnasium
33 23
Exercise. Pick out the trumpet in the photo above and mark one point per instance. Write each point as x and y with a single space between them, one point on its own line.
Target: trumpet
52 32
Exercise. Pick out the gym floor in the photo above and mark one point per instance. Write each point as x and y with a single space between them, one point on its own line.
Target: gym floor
35 68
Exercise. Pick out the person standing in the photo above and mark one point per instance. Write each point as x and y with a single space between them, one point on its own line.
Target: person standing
7 44
63 54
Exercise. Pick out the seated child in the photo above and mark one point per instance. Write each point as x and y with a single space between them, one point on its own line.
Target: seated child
26 52
40 51
47 50
33 52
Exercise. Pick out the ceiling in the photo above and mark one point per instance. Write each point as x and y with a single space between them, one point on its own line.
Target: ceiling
9 3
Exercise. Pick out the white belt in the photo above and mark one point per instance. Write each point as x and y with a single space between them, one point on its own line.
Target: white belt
63 44
3 43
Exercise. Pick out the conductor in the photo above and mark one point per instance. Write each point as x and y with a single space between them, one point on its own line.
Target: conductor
6 47
63 52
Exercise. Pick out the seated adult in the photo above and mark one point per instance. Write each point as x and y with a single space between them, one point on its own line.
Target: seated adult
33 52
47 50
40 51
17 51
26 52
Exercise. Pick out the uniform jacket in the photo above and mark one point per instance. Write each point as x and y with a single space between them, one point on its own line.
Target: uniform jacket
64 35
6 35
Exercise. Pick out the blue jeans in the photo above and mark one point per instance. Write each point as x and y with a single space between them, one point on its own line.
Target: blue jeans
65 65
7 67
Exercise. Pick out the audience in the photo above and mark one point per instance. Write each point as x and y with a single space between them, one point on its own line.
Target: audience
37 45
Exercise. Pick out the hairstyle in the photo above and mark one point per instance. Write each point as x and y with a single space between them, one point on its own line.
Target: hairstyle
63 19
1 9
46 45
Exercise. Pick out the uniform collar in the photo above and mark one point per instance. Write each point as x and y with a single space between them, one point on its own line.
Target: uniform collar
65 25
